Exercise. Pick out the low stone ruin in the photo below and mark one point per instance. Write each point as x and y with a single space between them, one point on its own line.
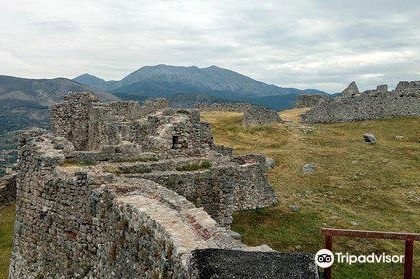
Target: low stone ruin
252 115
260 116
120 190
309 101
230 107
371 104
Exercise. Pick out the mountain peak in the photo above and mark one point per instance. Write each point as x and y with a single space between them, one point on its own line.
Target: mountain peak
90 80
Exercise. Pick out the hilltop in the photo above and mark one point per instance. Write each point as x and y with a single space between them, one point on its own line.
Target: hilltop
167 81
25 102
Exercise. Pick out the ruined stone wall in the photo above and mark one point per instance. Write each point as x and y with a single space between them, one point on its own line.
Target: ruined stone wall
71 226
222 187
230 107
252 115
75 221
371 104
7 188
308 101
70 119
91 126
260 116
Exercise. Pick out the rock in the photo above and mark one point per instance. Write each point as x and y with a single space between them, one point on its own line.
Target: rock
353 223
294 208
309 168
370 138
269 163
262 248
399 138
235 235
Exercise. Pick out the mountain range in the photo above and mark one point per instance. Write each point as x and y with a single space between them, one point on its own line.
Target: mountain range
218 83
25 102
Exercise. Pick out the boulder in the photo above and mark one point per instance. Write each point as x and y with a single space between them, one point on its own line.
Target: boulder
309 168
269 163
370 138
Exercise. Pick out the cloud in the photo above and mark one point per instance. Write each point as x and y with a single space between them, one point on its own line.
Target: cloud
303 43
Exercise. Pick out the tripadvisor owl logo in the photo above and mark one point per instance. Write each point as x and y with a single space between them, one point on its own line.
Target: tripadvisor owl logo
324 258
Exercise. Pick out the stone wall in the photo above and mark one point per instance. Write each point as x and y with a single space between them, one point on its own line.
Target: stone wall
90 125
371 104
224 187
230 107
260 116
308 101
252 115
76 221
7 188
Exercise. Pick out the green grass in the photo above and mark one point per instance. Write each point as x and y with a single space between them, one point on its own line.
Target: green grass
138 159
195 166
126 170
7 219
377 186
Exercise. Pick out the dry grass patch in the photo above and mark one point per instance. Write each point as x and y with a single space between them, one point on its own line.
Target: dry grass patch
354 186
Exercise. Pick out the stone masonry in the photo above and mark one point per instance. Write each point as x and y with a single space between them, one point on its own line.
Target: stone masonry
7 188
309 101
252 115
371 104
147 194
260 116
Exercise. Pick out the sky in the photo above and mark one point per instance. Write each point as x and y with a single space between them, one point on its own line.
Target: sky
322 44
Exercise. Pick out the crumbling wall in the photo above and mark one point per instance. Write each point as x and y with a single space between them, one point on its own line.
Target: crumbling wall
229 107
308 101
70 119
260 116
7 188
220 188
75 221
372 104
90 125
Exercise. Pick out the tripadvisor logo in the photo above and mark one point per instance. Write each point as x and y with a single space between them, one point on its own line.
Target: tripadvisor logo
324 258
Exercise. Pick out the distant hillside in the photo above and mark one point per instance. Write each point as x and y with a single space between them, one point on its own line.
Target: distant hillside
166 80
44 91
90 80
24 102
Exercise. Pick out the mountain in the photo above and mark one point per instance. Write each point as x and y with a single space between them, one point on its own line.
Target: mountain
91 80
25 102
44 92
163 80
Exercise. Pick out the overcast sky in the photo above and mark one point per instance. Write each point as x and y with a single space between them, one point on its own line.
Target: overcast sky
321 44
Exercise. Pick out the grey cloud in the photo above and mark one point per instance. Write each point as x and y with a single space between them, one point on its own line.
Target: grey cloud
302 43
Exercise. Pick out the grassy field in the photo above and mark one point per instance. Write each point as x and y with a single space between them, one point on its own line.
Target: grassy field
7 217
355 185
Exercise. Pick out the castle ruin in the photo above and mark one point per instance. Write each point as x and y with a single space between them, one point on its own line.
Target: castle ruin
371 104
123 190
252 115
